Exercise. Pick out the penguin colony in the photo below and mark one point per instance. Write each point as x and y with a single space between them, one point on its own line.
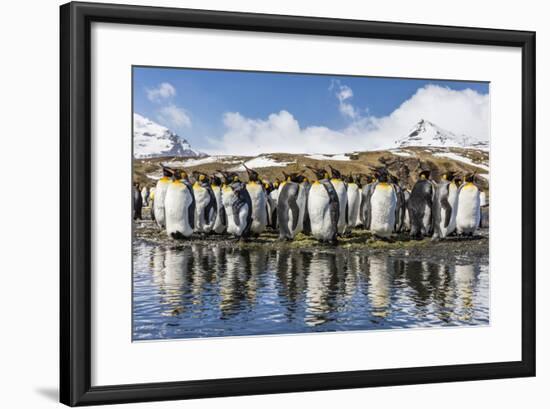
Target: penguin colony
327 207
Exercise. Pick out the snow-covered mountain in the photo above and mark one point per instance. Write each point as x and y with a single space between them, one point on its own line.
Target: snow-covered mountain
153 140
426 133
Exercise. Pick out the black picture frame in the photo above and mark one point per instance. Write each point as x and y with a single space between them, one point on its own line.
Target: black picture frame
76 198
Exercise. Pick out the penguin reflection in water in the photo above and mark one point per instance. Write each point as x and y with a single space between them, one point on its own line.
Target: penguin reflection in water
420 206
237 204
206 207
468 213
445 206
323 207
179 206
291 206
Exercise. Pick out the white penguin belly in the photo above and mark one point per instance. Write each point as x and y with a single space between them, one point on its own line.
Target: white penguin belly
340 189
383 202
468 211
160 194
176 209
228 198
318 207
258 198
202 200
354 203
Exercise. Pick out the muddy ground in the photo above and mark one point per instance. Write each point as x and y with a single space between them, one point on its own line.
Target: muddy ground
401 245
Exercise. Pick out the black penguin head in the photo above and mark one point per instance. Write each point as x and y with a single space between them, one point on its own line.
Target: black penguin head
215 180
166 171
382 175
201 177
320 173
335 173
470 177
369 178
424 174
177 174
449 175
253 176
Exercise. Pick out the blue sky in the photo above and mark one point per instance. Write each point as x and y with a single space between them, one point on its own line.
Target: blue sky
197 104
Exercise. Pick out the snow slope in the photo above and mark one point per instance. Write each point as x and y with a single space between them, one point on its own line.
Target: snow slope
426 133
154 140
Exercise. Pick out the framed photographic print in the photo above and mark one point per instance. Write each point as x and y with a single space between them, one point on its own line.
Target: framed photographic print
263 204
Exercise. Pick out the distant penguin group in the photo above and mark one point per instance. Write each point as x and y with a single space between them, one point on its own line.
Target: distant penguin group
329 206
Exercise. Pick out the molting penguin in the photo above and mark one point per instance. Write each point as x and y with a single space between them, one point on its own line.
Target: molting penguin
220 224
445 206
258 196
323 207
341 191
383 201
205 204
354 202
137 202
291 206
160 194
468 210
365 210
145 196
420 206
237 205
179 207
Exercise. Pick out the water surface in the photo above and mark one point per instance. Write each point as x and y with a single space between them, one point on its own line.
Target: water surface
218 290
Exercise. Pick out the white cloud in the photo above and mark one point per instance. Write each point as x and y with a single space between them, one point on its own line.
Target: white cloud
462 112
164 90
174 116
343 93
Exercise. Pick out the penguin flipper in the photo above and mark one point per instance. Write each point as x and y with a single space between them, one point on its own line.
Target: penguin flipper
223 216
295 210
236 209
334 208
211 209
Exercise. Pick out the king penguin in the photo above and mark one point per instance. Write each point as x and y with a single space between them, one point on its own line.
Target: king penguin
400 205
323 207
342 192
152 202
354 202
145 196
273 200
258 196
160 194
468 210
137 201
205 204
237 205
365 210
383 202
179 204
445 206
420 206
291 206
220 224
